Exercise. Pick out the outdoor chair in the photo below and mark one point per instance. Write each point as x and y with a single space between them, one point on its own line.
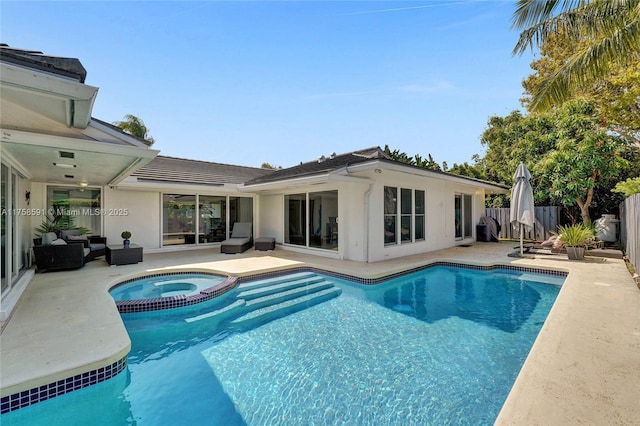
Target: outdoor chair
241 239
97 245
52 253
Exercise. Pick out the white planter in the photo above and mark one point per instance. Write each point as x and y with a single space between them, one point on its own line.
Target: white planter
575 253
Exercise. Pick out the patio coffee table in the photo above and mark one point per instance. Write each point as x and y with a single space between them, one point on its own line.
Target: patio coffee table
121 255
265 243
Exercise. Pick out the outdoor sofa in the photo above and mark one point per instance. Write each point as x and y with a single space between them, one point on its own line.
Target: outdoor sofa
241 239
97 245
52 253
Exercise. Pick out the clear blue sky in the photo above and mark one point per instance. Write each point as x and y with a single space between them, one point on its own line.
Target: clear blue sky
247 82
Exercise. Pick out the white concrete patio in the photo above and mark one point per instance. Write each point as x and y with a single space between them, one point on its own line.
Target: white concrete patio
584 368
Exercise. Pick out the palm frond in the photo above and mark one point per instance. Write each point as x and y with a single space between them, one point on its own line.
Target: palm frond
576 19
588 65
531 12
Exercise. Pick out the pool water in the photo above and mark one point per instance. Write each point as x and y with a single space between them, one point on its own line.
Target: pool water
440 346
164 286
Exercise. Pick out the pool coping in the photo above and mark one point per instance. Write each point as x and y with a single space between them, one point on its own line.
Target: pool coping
45 391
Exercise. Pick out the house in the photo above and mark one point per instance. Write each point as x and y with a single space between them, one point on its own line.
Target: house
56 158
51 149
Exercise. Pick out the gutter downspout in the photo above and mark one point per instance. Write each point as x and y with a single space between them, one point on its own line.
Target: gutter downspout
367 202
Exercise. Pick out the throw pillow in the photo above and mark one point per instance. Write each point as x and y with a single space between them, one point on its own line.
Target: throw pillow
48 238
58 242
77 238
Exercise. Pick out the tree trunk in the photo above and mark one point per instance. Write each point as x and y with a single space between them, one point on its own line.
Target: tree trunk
584 205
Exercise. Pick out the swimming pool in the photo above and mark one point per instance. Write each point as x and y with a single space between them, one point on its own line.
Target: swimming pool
443 345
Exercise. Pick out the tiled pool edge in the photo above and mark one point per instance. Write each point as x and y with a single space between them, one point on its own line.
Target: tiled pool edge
41 393
145 305
381 279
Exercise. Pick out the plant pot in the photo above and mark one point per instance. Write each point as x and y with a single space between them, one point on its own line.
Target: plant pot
126 243
575 253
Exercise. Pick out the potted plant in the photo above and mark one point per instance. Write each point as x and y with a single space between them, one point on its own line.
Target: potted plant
575 239
125 238
56 224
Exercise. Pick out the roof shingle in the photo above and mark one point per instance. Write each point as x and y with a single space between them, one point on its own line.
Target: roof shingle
179 170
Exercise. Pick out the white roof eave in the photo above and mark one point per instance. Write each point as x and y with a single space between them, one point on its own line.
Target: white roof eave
384 165
78 97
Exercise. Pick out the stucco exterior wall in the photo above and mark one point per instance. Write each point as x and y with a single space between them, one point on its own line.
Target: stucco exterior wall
440 230
269 216
361 215
135 211
352 223
38 202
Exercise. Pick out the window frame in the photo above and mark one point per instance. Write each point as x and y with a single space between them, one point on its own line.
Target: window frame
400 215
463 216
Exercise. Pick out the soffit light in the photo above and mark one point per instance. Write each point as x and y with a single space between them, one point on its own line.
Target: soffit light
65 166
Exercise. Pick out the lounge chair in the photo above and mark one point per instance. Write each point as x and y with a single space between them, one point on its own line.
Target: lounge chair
241 239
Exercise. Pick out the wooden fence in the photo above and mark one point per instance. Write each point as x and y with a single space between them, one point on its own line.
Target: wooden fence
546 222
630 228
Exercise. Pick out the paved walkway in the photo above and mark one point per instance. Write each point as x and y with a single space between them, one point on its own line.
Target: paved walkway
584 368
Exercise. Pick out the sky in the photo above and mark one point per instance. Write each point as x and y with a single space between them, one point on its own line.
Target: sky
284 82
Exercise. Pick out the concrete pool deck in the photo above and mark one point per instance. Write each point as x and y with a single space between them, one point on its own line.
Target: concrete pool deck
584 367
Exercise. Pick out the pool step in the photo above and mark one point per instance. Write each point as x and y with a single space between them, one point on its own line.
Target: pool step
267 282
292 293
289 306
234 309
264 289
271 298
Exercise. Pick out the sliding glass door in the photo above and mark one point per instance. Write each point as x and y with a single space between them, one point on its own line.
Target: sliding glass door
212 216
311 219
178 219
463 216
4 222
295 219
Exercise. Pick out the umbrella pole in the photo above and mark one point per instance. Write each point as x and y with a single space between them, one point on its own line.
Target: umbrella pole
521 244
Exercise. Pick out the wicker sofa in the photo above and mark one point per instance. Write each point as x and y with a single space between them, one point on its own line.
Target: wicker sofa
97 245
52 253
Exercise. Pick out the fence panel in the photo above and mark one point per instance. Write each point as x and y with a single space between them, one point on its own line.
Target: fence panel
546 222
630 228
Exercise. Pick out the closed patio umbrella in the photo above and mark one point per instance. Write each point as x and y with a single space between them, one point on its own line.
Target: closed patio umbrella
522 212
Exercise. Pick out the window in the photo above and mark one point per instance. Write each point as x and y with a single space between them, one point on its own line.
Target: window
5 259
295 219
406 210
311 219
463 216
467 215
390 214
75 208
240 210
412 215
323 219
419 215
213 218
178 219
13 254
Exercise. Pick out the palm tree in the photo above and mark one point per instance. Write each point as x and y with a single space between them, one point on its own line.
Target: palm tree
610 27
135 127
